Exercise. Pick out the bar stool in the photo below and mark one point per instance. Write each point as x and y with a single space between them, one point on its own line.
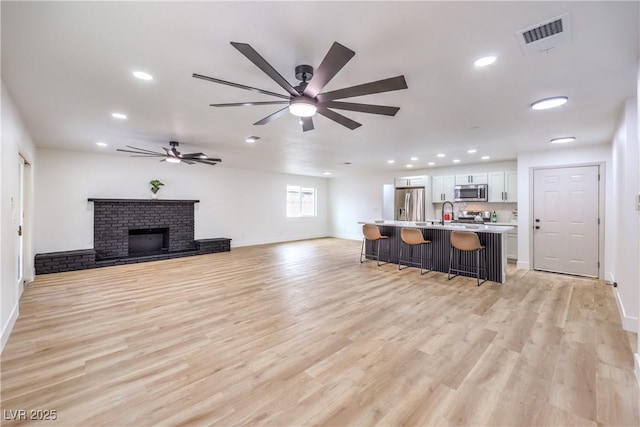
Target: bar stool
413 238
372 232
467 242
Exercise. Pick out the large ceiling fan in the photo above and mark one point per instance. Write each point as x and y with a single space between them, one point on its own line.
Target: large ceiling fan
306 99
172 155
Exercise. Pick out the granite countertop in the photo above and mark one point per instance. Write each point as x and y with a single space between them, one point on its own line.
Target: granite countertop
498 228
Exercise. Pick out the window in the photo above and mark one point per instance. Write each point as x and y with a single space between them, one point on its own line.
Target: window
301 201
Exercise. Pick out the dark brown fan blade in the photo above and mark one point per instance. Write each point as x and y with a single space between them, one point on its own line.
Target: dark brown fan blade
253 89
148 155
307 124
272 116
266 68
242 104
336 117
385 85
335 59
193 156
363 108
140 151
211 162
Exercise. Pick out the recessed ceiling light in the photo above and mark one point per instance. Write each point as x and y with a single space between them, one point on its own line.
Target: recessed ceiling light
326 173
409 166
413 159
431 163
473 150
101 144
545 104
119 116
440 155
391 161
456 160
485 157
252 138
484 61
142 75
563 140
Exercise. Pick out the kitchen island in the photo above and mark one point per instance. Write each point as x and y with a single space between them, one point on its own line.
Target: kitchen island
493 237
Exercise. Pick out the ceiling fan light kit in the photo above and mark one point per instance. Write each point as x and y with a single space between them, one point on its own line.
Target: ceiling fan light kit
302 107
306 99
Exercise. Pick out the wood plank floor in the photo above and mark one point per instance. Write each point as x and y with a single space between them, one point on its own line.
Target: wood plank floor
300 333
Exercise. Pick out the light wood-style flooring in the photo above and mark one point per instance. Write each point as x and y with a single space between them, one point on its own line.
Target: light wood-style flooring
300 333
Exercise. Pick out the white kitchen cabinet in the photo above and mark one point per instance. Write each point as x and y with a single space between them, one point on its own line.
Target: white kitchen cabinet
503 187
411 181
442 188
473 178
512 244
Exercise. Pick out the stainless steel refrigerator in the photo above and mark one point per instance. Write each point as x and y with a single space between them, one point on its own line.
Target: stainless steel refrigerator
409 204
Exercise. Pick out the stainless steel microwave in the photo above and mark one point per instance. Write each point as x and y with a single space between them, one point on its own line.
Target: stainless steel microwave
470 193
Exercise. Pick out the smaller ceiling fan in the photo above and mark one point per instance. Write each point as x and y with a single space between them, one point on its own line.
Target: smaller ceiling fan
172 155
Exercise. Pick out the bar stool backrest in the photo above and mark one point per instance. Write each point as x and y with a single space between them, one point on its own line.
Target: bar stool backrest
412 236
465 240
371 232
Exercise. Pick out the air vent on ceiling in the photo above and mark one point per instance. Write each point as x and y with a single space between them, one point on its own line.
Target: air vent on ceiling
543 37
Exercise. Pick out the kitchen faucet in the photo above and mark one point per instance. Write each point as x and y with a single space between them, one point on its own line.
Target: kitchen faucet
443 204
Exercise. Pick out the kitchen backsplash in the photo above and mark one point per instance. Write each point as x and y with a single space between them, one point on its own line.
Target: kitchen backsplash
506 212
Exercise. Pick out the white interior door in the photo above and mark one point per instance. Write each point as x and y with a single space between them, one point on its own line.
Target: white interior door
18 212
566 217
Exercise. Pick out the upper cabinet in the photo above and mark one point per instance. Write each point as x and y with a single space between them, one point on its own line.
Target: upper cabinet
503 187
442 188
474 178
411 181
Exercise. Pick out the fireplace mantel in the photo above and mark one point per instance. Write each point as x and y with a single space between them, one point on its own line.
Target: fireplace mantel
92 199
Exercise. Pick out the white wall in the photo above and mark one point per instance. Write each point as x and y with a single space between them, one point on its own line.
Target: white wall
246 206
359 198
625 232
15 141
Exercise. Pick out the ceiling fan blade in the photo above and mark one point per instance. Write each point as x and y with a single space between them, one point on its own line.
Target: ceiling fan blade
363 108
242 104
337 117
334 60
211 162
307 124
272 116
138 150
266 68
189 162
193 156
385 85
238 85
148 155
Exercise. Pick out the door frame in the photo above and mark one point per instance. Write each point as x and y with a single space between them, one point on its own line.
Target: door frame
601 208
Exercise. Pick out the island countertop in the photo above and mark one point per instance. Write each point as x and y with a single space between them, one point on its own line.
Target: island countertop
478 228
492 237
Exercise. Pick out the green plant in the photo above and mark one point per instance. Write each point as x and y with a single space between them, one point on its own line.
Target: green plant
155 185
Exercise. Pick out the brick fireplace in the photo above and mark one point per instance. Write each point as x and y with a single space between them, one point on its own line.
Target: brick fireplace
129 231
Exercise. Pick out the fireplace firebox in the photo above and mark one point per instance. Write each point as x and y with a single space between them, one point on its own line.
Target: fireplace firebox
148 241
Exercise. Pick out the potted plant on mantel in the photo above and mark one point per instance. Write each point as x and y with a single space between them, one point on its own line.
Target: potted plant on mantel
155 186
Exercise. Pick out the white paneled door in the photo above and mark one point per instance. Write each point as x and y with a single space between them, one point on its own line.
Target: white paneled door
566 220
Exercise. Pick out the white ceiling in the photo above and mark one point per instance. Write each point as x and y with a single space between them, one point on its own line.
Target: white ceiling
68 66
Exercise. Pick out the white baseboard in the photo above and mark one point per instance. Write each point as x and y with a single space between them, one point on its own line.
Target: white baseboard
629 323
523 265
637 357
609 277
8 327
348 236
238 243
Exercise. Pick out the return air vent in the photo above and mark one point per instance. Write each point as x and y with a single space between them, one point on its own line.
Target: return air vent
543 37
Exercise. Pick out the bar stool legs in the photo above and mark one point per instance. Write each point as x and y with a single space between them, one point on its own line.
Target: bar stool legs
466 242
372 232
412 237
